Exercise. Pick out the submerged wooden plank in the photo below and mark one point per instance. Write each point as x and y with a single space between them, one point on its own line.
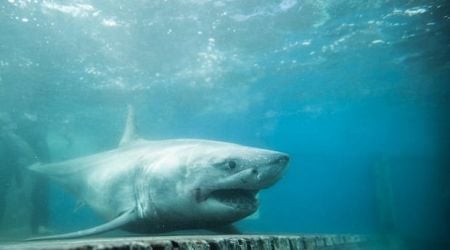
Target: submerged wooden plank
269 242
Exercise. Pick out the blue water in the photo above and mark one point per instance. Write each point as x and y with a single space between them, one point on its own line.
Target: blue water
339 85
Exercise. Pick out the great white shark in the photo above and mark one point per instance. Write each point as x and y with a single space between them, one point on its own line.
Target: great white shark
161 186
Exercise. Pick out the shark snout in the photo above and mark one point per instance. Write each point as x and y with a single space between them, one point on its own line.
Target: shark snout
280 159
270 173
264 174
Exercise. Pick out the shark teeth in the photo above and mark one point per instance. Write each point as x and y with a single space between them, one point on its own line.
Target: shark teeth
239 198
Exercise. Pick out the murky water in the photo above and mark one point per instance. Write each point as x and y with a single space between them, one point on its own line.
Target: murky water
356 93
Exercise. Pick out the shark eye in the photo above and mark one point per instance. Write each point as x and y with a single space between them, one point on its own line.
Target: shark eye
232 164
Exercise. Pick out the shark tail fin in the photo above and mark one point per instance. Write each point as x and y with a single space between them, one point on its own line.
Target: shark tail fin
35 166
47 169
129 134
119 221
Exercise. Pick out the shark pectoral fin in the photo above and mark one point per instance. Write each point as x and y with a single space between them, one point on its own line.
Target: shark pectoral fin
119 221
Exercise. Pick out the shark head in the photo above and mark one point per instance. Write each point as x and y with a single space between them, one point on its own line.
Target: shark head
210 181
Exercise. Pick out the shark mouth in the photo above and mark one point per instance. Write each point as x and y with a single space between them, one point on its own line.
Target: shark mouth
242 199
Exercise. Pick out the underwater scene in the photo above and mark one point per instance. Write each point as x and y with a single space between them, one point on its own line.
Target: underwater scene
231 116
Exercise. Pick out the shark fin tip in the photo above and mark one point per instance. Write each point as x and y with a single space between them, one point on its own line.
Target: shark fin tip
129 134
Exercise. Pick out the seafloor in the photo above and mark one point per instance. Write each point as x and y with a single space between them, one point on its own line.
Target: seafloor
301 242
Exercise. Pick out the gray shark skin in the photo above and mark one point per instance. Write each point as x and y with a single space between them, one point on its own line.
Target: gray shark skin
161 186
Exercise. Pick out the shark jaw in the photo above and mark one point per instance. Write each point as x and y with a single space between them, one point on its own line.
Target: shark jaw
239 199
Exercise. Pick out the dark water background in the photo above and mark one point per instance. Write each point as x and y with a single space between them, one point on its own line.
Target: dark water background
342 86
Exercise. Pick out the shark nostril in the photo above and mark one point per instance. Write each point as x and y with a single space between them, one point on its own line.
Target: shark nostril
254 171
283 159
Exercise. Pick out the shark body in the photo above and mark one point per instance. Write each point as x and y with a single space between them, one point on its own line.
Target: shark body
160 186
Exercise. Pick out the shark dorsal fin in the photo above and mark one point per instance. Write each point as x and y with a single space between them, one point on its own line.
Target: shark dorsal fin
129 134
